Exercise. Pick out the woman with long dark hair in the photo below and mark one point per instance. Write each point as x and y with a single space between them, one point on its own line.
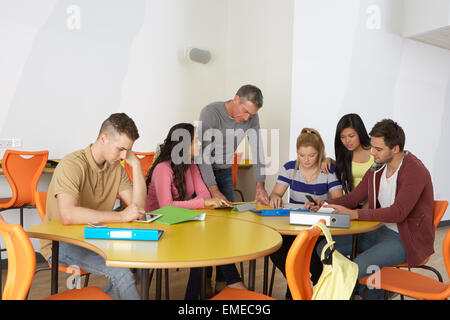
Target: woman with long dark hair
352 150
174 179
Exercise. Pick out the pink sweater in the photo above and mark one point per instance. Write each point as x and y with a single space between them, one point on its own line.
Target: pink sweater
162 190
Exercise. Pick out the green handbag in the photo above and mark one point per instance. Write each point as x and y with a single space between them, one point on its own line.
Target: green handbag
339 274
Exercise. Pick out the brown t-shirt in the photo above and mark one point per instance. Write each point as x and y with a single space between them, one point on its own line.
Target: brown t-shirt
78 175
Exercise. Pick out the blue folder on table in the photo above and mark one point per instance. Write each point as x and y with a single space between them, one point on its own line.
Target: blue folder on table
122 234
275 212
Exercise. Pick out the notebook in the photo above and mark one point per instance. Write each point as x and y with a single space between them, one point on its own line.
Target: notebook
172 215
239 207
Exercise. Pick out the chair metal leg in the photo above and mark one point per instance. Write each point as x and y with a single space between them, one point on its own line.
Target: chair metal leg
251 275
354 247
166 272
86 279
272 279
158 284
21 216
1 272
145 283
240 193
437 273
150 277
266 274
55 267
203 284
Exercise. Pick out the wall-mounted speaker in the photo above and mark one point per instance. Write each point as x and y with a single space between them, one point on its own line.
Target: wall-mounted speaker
198 55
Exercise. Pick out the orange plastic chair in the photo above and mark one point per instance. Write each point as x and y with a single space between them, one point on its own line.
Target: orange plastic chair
41 203
21 265
238 294
234 170
22 169
298 261
438 212
297 271
146 159
411 284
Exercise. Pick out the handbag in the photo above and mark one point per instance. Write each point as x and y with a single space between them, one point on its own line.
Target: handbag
339 273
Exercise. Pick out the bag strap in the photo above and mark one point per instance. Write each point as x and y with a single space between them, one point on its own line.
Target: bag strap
330 243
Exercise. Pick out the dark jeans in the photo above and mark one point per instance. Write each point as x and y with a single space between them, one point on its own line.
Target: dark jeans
224 179
279 260
227 273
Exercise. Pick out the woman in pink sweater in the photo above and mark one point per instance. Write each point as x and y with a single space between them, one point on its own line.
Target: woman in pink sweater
174 180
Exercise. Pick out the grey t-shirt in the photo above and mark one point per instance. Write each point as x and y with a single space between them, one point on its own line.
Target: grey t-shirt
221 136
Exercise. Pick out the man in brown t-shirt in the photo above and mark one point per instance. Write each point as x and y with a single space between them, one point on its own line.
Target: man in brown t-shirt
83 189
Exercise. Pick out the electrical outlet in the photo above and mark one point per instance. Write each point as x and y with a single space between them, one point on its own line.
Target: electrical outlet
10 143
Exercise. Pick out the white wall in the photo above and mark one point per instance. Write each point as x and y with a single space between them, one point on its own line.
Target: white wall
423 16
59 84
342 64
320 57
259 51
128 56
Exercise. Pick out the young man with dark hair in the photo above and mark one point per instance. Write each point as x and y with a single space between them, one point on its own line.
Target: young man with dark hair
83 189
399 191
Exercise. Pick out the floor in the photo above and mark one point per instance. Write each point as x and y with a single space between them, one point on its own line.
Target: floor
178 278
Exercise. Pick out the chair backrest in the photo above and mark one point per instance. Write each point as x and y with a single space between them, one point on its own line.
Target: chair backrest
297 263
22 170
41 203
446 254
21 261
146 159
440 206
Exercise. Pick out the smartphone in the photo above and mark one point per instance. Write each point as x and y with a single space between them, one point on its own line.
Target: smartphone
311 199
96 225
149 217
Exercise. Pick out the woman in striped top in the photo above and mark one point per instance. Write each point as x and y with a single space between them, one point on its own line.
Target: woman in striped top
304 177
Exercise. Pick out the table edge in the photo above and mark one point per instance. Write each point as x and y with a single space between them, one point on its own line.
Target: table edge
161 265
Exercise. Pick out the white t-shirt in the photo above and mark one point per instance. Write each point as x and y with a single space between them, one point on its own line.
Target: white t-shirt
386 195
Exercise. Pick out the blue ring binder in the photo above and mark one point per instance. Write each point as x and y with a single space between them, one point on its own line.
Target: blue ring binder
123 234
